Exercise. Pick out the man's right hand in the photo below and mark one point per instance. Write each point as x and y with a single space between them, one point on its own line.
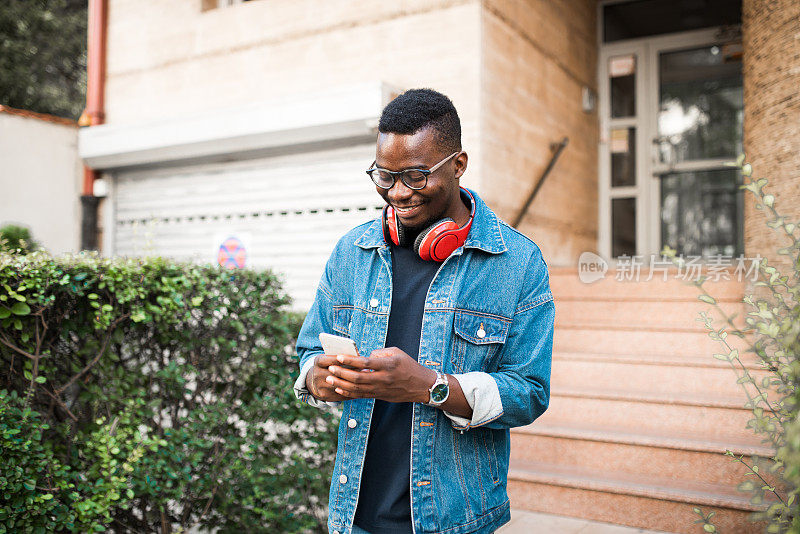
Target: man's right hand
315 379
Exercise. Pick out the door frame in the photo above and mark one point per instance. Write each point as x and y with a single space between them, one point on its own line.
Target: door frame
648 168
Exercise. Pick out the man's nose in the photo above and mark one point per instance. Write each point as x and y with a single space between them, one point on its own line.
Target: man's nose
399 191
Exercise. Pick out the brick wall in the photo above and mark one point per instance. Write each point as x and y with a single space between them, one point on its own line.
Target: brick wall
537 56
771 39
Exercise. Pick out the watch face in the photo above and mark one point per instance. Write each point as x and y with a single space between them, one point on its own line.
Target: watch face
439 393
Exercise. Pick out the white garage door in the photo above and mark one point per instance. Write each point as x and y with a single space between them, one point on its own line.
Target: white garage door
287 210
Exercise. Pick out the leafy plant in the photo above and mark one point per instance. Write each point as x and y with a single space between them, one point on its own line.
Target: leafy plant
43 55
150 396
17 238
772 333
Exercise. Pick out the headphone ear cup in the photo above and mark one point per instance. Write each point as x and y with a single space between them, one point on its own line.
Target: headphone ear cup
393 229
422 248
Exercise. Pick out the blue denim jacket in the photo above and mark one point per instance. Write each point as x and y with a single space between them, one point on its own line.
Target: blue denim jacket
488 321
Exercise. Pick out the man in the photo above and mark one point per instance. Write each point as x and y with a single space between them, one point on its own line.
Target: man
452 315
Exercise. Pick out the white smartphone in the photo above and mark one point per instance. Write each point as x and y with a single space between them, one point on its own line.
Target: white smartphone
334 345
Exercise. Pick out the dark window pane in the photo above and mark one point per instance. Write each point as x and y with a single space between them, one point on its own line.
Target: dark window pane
640 18
701 107
701 213
623 157
622 75
623 227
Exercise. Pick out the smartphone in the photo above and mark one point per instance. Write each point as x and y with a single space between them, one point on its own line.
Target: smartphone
335 345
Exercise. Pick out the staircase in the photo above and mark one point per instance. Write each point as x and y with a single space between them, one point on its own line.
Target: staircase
640 412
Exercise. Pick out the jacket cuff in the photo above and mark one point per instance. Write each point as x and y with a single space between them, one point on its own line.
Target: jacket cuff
483 395
302 393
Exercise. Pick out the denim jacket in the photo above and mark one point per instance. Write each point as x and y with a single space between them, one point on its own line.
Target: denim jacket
488 321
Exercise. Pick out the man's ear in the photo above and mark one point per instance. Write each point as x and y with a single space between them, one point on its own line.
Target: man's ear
461 164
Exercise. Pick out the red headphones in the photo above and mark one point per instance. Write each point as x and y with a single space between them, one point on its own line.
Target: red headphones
434 243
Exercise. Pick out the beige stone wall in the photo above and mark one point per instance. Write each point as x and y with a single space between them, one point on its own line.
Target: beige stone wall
167 59
537 56
514 69
41 179
771 39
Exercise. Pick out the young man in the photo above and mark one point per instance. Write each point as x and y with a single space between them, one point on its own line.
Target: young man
452 314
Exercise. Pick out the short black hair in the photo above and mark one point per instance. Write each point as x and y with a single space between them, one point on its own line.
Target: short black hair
423 108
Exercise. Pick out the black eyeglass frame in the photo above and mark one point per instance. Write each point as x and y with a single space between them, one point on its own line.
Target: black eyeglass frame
394 174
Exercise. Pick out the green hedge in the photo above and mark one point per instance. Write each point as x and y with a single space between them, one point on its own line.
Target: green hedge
147 395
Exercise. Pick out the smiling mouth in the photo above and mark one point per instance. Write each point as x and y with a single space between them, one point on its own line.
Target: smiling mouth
406 209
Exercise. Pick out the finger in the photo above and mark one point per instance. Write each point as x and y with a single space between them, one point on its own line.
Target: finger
357 362
357 376
349 387
325 360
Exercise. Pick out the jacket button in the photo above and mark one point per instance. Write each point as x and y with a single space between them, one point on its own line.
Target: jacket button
374 303
352 423
342 479
481 333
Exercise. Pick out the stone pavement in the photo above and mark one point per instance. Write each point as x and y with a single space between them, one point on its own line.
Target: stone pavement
523 522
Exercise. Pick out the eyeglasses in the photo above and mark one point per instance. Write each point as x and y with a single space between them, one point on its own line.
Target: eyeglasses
412 178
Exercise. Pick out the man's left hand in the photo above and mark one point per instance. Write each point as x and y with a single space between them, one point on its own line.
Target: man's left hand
388 374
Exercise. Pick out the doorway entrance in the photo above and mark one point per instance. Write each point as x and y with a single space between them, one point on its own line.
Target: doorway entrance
671 112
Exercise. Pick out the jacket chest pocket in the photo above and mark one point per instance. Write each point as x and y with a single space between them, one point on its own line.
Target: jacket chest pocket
342 320
477 339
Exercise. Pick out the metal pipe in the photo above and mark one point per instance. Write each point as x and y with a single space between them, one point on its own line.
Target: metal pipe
94 113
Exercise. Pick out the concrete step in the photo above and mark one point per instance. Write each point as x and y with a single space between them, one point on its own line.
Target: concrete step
612 451
750 360
564 283
524 522
642 501
621 339
642 312
574 371
711 416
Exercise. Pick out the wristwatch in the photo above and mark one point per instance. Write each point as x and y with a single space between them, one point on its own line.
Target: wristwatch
439 391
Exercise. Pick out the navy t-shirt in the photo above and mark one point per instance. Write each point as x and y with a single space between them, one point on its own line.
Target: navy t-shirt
384 500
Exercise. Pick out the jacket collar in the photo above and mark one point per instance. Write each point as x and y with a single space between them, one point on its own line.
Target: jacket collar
485 233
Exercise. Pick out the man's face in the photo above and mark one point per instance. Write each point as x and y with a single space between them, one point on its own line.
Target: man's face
440 197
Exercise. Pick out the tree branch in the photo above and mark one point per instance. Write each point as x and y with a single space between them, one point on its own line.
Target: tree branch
94 361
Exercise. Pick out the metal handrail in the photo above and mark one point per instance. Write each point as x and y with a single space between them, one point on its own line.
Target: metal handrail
557 149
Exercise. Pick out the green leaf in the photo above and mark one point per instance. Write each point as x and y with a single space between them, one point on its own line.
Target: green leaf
708 527
707 298
41 379
4 312
20 308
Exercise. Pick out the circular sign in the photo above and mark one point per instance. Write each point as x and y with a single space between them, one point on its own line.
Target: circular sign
232 254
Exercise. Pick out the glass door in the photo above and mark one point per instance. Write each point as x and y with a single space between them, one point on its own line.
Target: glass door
671 116
698 129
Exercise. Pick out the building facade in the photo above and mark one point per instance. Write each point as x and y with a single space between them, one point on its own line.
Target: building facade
249 125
